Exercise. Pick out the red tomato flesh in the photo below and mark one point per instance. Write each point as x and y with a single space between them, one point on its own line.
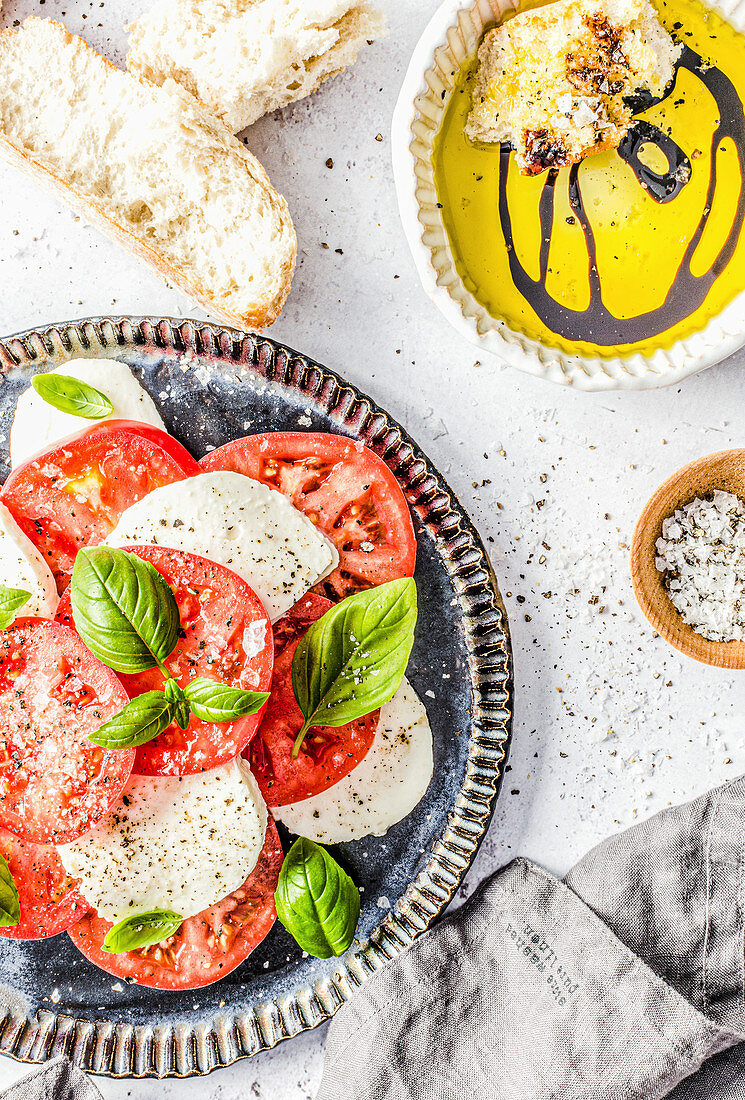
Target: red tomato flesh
73 495
347 491
55 784
50 899
328 753
207 946
226 636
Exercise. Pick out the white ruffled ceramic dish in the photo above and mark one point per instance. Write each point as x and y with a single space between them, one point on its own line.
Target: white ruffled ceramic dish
450 39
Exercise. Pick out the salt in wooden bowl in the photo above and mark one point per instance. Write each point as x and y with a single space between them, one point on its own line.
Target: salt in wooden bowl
724 470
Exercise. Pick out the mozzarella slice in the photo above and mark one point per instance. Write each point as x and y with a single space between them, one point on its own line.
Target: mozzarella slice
37 424
237 522
174 842
22 566
382 789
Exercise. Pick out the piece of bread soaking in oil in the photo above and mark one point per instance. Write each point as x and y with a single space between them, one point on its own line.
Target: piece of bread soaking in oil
553 81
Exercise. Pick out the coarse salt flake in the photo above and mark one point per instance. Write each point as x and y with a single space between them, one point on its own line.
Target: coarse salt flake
702 554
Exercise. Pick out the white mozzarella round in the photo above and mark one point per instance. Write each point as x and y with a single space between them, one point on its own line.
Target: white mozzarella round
22 566
173 842
382 789
37 424
240 523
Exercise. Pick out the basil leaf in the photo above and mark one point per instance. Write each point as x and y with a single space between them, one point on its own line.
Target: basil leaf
11 600
69 395
138 722
353 658
213 702
181 711
10 906
316 900
123 609
141 930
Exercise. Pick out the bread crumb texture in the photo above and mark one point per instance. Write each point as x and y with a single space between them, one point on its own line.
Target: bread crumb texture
151 166
552 82
244 58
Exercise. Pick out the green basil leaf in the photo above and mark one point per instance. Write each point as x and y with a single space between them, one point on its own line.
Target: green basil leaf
141 930
138 722
213 702
353 658
69 395
10 906
316 900
181 710
11 601
123 609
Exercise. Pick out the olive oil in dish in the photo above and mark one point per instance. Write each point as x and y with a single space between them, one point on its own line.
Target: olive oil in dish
632 249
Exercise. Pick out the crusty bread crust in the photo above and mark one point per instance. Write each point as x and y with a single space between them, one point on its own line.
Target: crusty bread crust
265 311
245 58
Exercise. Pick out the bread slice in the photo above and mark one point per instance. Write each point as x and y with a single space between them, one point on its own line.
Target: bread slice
151 167
244 58
553 81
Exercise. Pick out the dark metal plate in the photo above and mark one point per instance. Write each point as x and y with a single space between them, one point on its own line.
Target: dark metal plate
212 385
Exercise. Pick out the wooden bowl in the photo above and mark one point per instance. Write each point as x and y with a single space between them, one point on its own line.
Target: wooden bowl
724 470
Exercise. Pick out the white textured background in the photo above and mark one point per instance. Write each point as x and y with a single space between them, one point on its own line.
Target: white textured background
611 725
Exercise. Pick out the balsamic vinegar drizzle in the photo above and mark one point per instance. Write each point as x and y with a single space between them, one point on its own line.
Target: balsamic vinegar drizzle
662 187
688 291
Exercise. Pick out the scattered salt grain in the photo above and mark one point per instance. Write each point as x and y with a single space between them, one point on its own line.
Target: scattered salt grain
254 638
203 373
702 554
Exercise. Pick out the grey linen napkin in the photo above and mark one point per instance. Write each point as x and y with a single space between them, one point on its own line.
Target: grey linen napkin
619 983
57 1080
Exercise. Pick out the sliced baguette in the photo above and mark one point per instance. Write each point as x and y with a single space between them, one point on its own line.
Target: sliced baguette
151 167
244 58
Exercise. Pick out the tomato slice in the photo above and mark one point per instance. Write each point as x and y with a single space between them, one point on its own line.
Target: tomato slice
50 899
207 946
328 753
55 784
348 492
226 636
73 495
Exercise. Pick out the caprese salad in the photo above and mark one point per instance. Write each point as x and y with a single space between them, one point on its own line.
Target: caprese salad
189 650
